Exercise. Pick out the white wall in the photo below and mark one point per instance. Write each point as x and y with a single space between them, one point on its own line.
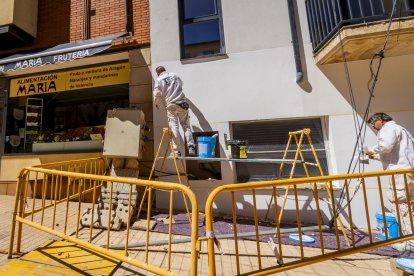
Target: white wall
256 81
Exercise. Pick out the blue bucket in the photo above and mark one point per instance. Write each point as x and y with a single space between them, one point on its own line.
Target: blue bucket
206 146
392 226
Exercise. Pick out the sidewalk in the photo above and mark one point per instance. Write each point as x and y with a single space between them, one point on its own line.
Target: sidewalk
359 264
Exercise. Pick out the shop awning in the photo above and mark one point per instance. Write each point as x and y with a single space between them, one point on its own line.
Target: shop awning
58 54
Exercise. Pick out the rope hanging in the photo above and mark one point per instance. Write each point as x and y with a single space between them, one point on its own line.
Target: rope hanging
360 127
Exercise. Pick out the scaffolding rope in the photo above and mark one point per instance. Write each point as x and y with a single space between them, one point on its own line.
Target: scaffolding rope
361 127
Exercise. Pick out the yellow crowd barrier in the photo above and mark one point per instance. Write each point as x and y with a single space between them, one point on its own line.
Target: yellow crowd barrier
65 189
96 166
62 188
237 257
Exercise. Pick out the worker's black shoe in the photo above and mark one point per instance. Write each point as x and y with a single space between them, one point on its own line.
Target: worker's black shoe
177 153
191 151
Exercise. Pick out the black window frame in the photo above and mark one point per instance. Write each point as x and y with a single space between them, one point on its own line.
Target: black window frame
199 19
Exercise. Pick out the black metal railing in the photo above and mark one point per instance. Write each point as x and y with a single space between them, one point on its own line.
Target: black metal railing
326 17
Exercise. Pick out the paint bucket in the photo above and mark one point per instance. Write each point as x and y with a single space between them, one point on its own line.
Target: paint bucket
392 226
406 263
238 148
206 146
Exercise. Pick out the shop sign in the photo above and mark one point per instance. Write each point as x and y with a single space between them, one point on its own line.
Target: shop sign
51 59
70 80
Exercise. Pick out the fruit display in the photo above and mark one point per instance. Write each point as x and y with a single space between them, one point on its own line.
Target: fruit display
75 134
44 136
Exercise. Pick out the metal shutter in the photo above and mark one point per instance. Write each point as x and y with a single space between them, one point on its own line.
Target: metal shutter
268 139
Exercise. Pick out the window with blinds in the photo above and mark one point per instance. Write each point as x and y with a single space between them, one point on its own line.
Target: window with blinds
268 140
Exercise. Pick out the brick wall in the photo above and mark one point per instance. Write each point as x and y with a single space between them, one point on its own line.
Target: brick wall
62 21
141 26
76 20
108 17
53 23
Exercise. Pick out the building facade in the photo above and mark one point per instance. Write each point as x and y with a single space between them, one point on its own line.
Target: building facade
63 64
252 72
245 78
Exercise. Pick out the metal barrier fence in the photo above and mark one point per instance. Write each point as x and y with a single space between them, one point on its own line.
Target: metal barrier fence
398 188
92 166
63 190
95 166
59 208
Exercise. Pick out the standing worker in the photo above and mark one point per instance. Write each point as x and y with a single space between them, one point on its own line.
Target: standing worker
395 150
169 89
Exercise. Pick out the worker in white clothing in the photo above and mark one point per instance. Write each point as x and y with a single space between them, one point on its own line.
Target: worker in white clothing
169 89
395 150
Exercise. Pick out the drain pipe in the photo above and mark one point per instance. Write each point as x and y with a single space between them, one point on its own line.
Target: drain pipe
127 17
294 33
86 19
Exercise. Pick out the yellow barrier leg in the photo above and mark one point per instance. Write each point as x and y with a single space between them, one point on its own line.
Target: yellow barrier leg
20 225
210 242
13 226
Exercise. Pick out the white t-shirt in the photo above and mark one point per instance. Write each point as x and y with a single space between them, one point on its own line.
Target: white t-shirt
169 88
395 147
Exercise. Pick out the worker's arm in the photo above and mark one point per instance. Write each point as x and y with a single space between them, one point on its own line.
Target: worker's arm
180 81
387 139
157 93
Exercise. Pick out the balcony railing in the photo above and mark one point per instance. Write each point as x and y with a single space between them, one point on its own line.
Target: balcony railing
326 17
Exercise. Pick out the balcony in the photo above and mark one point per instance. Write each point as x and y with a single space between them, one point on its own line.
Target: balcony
18 23
360 27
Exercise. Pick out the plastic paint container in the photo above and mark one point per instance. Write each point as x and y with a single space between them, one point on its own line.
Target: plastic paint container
392 226
206 146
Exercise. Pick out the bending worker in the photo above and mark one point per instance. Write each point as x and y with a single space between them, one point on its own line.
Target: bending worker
395 150
168 89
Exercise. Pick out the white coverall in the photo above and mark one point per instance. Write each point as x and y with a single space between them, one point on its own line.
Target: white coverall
395 150
168 89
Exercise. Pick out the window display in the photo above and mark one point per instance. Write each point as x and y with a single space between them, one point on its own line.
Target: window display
52 123
70 114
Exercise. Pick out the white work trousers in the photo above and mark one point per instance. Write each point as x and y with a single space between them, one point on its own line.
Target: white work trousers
175 115
402 201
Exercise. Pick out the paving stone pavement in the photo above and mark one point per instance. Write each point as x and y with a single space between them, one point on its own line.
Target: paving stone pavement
358 264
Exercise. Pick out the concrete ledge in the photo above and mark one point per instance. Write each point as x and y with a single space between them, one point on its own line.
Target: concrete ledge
8 186
362 41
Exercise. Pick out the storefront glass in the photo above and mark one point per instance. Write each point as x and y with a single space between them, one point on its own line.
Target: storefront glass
64 111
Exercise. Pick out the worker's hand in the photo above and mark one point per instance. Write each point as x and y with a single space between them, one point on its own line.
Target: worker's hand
370 154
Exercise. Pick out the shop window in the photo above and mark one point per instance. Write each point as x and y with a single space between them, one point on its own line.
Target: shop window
201 28
268 139
203 169
46 123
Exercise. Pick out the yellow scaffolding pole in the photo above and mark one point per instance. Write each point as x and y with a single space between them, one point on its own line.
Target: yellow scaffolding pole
304 134
166 134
